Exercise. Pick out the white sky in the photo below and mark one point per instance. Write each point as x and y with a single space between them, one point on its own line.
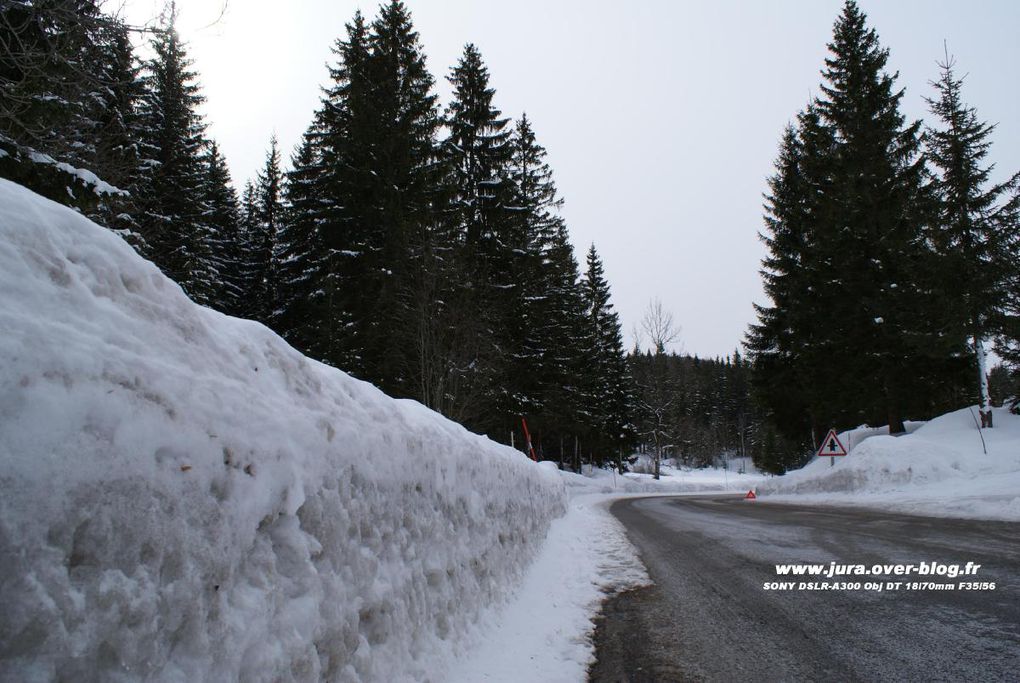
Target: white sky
661 118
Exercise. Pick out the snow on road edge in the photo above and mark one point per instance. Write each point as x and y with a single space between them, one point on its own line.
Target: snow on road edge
544 632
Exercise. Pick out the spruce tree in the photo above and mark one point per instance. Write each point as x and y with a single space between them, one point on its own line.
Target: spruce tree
403 193
262 229
222 219
777 355
546 305
870 235
851 326
345 136
610 392
303 280
170 193
377 133
117 154
974 226
55 83
477 152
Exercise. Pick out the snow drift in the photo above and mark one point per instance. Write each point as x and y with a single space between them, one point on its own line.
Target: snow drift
939 468
184 497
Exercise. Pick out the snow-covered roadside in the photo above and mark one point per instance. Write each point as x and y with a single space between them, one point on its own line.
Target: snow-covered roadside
184 497
940 469
672 480
543 633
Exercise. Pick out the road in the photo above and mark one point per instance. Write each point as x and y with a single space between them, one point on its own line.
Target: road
708 616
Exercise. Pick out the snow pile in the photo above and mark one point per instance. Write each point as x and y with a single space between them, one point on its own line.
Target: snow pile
852 438
184 497
940 468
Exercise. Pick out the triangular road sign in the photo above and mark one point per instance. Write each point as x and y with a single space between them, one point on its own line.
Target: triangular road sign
750 495
831 445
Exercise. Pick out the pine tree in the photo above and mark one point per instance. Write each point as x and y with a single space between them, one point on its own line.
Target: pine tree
850 269
117 155
789 274
477 153
974 224
247 273
170 195
304 281
222 219
54 86
610 394
345 136
403 193
872 234
263 226
377 131
546 307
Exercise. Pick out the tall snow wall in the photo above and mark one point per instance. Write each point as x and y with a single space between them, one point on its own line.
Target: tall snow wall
184 497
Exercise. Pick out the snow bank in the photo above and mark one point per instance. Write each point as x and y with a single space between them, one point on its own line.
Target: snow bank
184 497
938 469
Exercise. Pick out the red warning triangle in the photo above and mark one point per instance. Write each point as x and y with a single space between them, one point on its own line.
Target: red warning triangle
750 495
831 445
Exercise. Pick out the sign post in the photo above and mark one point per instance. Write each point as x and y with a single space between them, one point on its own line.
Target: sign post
527 440
832 447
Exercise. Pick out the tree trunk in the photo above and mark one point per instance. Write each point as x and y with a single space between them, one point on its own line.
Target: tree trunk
896 425
658 455
986 400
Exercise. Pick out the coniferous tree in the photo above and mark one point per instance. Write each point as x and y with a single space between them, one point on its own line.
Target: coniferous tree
379 181
850 272
117 154
547 311
871 235
972 233
346 138
477 152
610 394
262 228
170 194
777 342
55 89
303 281
403 193
222 219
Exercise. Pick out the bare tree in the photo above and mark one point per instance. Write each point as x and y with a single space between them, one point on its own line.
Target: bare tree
658 326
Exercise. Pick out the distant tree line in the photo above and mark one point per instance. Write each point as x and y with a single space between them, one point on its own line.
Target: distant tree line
892 256
697 411
418 248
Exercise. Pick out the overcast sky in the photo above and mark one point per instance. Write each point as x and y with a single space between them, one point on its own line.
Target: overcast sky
661 118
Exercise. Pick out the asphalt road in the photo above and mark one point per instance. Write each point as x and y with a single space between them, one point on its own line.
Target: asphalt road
709 618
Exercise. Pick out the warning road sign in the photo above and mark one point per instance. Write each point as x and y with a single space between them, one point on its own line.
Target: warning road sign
831 445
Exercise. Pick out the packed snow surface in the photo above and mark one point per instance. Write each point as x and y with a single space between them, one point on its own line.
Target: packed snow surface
544 632
183 497
939 468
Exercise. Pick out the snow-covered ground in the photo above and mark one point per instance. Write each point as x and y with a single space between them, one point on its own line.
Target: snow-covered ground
672 480
939 469
543 632
184 497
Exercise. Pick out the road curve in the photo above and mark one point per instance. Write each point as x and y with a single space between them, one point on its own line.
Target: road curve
709 618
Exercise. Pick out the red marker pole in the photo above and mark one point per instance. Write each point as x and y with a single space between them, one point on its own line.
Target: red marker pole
527 440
